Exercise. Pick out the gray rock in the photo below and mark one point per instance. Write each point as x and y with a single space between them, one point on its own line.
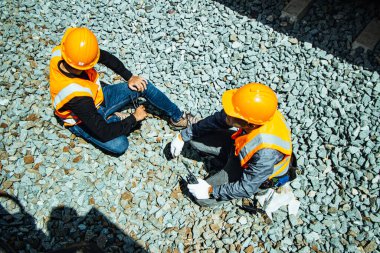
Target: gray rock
227 241
314 207
296 184
308 45
313 236
158 36
371 247
233 37
375 218
4 101
219 244
243 220
293 40
236 45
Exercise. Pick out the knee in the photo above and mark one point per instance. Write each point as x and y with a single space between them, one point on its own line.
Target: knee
149 85
149 88
207 202
195 145
205 149
118 146
202 203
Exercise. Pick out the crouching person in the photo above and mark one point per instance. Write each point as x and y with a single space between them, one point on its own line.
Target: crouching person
258 152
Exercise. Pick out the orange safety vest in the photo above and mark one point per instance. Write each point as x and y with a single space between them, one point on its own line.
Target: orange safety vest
275 134
63 88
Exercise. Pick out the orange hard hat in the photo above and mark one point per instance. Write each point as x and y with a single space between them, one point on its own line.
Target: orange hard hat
254 103
80 48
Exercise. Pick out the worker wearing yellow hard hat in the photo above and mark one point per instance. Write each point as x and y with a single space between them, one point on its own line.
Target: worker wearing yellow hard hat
255 155
91 108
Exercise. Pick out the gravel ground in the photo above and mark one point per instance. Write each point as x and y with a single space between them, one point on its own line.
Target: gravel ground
193 51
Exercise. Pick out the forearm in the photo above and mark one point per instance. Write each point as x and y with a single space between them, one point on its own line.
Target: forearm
259 169
243 188
107 131
206 125
94 123
112 62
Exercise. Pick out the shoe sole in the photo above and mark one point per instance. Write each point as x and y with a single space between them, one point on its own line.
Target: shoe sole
176 128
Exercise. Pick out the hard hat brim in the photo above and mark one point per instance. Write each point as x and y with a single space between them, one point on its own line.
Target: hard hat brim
228 106
75 66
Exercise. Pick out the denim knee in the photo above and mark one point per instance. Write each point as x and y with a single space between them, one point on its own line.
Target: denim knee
149 88
117 146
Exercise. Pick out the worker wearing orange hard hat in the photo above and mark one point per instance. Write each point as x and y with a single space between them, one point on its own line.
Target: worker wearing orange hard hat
256 155
91 108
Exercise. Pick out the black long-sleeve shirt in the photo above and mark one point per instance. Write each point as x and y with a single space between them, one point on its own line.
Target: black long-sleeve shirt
84 107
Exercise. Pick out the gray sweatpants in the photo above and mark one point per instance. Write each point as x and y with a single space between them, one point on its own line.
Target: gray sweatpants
219 144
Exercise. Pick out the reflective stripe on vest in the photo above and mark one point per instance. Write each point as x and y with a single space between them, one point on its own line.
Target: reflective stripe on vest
263 138
275 134
68 90
280 167
70 121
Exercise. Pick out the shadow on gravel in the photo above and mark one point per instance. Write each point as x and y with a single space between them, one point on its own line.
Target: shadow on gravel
67 232
329 25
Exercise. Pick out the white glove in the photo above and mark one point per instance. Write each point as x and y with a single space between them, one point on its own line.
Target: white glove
177 145
200 190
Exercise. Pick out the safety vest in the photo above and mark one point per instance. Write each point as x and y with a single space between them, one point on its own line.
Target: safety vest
63 88
275 134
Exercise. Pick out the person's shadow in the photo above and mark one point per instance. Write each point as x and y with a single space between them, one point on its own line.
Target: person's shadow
18 231
67 232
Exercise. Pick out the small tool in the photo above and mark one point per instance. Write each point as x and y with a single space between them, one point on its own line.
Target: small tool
268 200
190 178
252 208
135 103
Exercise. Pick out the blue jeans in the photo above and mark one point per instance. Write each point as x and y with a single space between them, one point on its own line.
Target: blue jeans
118 96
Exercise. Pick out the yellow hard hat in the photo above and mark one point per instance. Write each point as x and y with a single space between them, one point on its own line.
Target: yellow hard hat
254 103
80 48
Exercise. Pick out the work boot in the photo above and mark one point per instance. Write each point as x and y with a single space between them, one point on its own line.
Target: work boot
186 120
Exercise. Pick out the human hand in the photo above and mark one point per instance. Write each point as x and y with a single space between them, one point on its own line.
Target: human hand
200 190
140 113
176 145
137 83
